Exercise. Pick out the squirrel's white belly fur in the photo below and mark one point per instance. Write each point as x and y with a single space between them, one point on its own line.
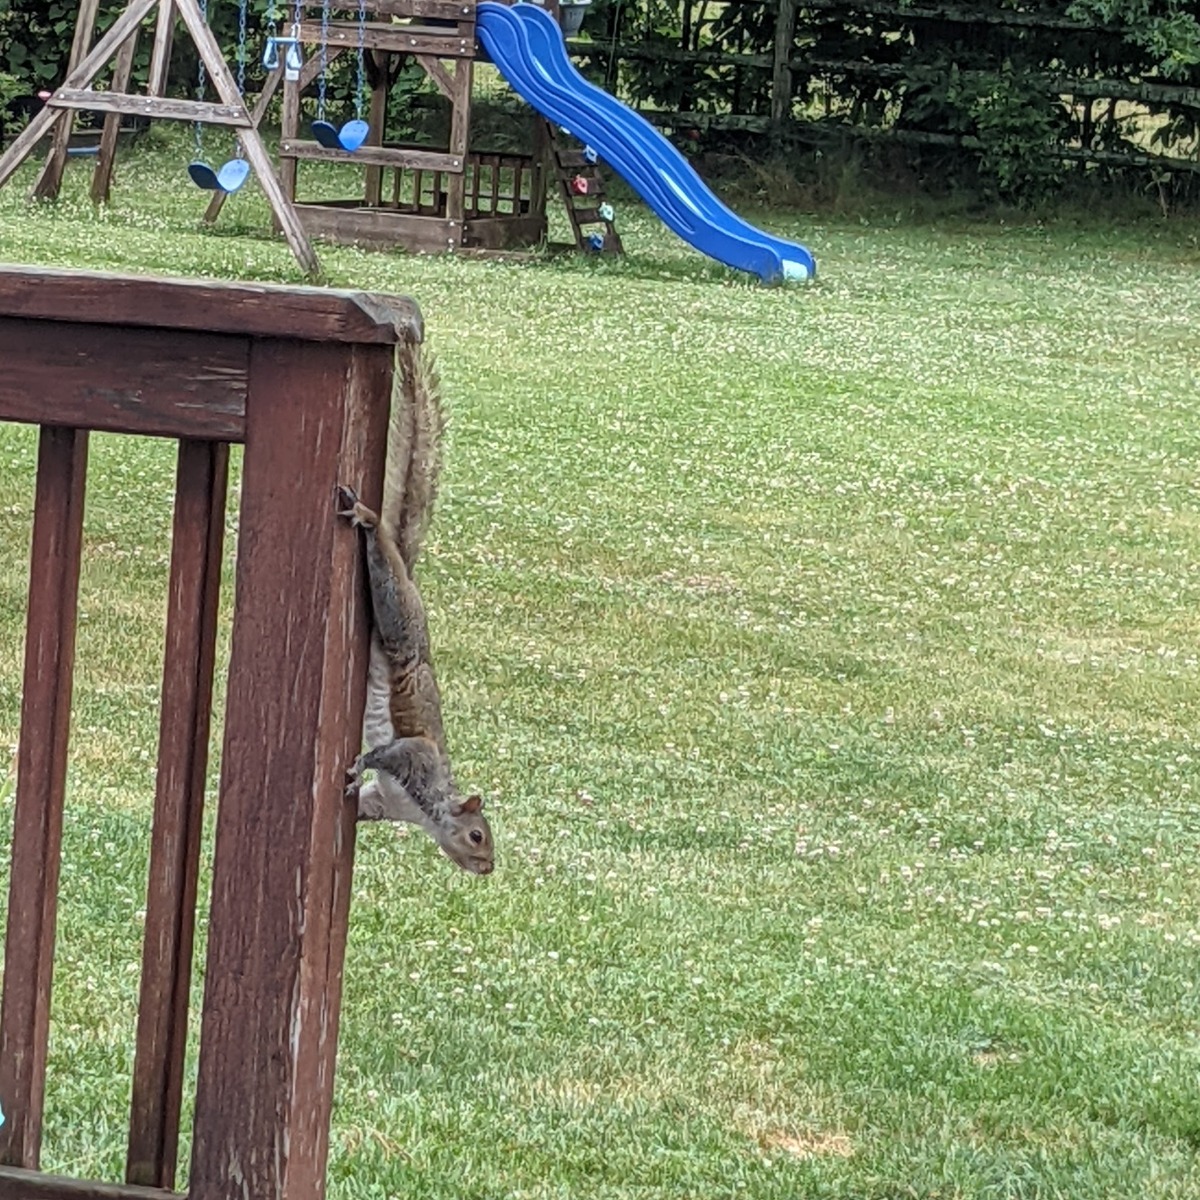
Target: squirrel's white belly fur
377 720
383 799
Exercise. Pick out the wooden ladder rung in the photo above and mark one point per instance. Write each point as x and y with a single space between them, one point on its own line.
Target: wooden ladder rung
571 158
588 216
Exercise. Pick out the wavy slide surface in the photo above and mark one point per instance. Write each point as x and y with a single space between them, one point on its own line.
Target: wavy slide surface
526 44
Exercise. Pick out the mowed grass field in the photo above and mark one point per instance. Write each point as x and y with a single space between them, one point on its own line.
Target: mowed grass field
830 660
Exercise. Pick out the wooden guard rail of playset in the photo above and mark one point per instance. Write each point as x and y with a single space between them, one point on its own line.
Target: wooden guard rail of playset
439 36
303 380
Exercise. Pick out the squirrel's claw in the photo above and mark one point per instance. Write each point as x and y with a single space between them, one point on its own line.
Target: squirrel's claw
354 776
347 501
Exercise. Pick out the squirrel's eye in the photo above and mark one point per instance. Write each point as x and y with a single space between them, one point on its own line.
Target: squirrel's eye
476 836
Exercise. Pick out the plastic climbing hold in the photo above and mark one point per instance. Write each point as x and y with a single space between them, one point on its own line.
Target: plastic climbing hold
348 138
595 241
228 178
590 155
607 212
579 185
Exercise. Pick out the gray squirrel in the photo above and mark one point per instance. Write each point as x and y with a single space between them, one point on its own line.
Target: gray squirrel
402 727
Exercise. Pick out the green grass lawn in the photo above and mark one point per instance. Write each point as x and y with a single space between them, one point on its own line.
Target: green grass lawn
830 660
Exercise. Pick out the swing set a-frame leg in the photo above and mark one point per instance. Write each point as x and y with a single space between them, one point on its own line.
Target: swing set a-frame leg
251 139
23 144
49 181
119 41
122 70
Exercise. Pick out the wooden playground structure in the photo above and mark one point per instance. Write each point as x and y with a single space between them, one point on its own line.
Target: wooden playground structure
302 379
424 199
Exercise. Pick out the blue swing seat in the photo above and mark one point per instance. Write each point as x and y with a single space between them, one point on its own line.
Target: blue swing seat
228 178
348 138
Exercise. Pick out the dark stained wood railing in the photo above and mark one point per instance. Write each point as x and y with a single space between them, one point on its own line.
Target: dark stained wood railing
304 379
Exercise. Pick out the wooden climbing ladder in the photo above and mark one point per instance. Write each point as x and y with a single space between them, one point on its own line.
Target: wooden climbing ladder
582 188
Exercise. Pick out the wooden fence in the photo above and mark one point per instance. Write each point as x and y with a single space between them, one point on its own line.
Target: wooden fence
779 111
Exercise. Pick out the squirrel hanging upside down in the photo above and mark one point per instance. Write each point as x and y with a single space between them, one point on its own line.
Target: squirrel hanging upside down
403 723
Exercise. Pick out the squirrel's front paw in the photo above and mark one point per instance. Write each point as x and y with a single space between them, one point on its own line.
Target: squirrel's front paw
370 804
347 501
349 505
354 776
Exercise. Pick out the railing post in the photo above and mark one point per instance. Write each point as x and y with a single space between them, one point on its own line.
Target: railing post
315 417
41 788
192 596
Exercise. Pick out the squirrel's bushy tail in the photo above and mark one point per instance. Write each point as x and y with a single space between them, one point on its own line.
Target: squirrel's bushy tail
414 459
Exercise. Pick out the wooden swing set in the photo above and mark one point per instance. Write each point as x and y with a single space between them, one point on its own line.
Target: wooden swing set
440 200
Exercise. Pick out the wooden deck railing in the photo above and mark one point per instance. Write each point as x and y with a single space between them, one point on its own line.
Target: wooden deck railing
303 378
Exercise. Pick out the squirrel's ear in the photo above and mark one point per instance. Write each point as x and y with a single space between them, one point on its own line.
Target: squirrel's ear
472 804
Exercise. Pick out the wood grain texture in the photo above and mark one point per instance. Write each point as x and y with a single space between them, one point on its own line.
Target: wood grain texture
403 39
122 70
23 144
380 228
250 310
49 179
41 787
442 10
192 596
284 836
377 74
290 128
133 381
460 131
504 232
16 1184
151 106
384 156
160 54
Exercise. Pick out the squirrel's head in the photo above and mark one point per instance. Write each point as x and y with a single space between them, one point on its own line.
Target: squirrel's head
468 840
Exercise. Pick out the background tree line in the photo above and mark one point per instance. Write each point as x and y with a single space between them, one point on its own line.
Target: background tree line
1008 98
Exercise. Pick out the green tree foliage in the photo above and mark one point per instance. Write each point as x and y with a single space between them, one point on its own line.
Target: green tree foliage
1009 93
1167 30
35 44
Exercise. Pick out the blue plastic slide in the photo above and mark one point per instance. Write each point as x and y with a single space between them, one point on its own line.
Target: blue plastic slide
525 42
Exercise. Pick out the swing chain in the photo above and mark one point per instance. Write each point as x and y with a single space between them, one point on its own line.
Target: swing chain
241 60
360 83
241 50
321 84
201 86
